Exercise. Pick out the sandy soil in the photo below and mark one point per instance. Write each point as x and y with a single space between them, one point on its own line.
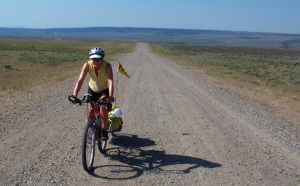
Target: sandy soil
179 129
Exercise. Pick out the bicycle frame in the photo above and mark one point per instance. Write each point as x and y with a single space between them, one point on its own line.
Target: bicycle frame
95 113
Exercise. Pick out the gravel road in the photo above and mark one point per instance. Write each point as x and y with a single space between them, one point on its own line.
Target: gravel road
179 129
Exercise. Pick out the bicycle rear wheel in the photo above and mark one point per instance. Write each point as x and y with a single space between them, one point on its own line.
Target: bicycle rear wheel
102 144
88 146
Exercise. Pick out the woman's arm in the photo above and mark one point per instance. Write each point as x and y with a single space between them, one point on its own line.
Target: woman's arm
80 80
110 79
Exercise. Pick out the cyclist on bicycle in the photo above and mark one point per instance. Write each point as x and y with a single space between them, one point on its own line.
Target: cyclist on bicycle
101 84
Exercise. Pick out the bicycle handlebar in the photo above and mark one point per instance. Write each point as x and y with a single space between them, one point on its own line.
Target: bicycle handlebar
76 100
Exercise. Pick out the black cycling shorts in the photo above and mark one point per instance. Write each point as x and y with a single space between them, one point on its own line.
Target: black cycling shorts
96 96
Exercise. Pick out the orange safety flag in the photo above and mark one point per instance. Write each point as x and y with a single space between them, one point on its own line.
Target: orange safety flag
122 70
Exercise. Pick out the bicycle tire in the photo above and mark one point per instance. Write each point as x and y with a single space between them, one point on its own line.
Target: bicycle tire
88 163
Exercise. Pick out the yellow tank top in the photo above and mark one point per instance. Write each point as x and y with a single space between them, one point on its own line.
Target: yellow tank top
98 83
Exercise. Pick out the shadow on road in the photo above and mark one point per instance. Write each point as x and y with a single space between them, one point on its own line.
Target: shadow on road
131 141
136 160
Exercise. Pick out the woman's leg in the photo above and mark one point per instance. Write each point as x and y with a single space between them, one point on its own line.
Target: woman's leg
104 117
90 113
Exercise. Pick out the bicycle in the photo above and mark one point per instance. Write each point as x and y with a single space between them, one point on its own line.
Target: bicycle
92 132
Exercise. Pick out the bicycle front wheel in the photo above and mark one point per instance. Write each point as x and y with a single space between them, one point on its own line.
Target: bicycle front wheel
88 147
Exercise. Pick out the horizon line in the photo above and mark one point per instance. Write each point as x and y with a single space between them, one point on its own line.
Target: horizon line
133 27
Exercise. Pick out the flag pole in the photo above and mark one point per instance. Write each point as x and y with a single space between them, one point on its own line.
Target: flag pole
117 86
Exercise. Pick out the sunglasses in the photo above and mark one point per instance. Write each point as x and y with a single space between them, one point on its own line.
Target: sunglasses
97 59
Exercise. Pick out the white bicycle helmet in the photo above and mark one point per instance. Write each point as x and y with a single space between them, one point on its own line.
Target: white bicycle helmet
96 52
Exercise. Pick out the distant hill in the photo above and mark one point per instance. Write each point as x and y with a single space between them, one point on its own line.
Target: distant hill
186 36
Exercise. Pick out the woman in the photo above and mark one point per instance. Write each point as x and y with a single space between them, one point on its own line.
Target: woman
100 85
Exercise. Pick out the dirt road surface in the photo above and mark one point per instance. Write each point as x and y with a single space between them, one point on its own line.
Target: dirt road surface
179 129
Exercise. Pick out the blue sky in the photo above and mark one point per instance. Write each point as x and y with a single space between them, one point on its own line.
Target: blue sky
280 16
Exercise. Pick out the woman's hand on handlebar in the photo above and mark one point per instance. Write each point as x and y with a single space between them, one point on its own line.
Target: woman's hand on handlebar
73 99
111 99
